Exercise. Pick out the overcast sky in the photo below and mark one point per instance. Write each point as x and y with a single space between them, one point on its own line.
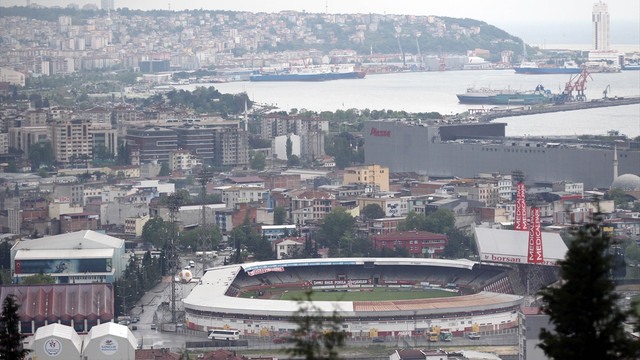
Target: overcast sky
550 21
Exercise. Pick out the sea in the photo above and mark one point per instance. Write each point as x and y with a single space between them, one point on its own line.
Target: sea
435 91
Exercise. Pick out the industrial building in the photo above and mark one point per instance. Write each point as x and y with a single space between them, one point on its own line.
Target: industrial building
79 257
467 150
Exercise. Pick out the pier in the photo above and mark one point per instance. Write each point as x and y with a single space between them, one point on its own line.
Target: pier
520 110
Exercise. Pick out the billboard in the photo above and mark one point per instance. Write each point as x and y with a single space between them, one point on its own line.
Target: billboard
512 246
63 266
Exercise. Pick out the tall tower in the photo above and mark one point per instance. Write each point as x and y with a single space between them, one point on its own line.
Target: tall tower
600 20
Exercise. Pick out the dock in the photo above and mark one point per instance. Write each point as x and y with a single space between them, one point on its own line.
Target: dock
520 110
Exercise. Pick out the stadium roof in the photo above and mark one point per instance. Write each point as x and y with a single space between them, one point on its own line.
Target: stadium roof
511 246
41 254
209 294
85 239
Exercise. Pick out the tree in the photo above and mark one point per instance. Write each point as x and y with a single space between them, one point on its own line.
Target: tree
293 160
317 337
413 221
164 169
258 161
587 322
279 215
39 279
335 225
441 221
372 211
289 147
619 198
155 232
10 336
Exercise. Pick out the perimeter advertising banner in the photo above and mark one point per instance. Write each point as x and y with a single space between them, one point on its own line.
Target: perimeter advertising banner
63 266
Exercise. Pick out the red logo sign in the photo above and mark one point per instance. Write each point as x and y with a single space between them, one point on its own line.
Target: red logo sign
534 254
376 132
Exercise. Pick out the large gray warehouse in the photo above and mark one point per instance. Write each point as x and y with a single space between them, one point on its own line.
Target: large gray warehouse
451 150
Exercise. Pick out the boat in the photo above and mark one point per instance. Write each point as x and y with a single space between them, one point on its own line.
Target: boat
631 66
529 67
506 97
310 74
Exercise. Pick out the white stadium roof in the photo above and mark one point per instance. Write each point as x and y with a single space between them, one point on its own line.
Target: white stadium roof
511 246
209 293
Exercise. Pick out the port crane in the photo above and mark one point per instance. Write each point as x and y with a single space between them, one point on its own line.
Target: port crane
606 91
577 83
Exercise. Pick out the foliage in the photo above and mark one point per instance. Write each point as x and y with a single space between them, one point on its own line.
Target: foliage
209 100
337 226
289 147
279 215
317 336
164 169
441 221
595 331
372 211
139 277
192 239
258 161
619 198
41 154
5 255
413 221
39 279
342 148
156 232
293 160
459 245
10 336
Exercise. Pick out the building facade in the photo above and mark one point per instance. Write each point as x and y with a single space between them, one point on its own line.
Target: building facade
373 176
421 243
600 25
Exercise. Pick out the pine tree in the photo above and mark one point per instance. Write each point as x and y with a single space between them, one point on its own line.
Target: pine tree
587 323
10 336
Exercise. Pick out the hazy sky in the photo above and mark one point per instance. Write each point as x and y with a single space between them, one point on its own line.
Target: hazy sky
550 21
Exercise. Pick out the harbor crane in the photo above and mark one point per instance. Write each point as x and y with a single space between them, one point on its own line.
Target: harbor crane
577 83
606 91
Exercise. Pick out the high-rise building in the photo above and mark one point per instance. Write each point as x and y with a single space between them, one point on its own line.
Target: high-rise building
107 5
600 20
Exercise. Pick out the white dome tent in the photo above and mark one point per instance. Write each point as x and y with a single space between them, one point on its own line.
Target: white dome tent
110 341
56 341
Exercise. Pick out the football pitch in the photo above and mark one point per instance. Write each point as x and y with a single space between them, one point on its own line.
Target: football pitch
376 294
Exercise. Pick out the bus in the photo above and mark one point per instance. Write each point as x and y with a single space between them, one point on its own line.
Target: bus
224 334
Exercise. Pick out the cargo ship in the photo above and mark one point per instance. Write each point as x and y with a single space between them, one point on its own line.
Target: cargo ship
529 67
310 74
506 97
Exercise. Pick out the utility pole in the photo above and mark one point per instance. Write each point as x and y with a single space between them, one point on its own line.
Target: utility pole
203 178
174 205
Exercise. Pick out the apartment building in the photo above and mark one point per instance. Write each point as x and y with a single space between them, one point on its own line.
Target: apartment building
231 147
72 140
373 176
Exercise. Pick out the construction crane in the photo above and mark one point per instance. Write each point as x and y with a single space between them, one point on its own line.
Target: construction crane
606 91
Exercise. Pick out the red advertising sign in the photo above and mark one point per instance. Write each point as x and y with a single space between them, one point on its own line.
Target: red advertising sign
521 209
534 253
376 132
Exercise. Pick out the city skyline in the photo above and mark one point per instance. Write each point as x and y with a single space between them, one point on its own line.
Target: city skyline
541 22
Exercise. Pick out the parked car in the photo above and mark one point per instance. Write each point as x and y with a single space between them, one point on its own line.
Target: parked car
133 327
153 326
279 341
378 340
473 336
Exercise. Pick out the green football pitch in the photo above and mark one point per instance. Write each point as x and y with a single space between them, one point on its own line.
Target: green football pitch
378 294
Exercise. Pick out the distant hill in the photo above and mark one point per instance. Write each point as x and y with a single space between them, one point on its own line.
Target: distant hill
289 30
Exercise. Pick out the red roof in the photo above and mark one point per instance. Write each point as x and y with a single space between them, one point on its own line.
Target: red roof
62 301
156 354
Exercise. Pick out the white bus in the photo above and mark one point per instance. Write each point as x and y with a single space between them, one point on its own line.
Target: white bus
224 335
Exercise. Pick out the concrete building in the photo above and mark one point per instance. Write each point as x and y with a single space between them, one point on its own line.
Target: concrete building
238 195
134 225
231 147
197 140
72 141
22 138
153 144
530 321
446 151
183 160
279 146
421 243
11 76
79 257
288 247
273 232
600 26
373 176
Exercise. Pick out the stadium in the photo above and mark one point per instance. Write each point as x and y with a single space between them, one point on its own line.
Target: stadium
402 296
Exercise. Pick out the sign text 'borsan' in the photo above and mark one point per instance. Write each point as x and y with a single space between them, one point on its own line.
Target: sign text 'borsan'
376 132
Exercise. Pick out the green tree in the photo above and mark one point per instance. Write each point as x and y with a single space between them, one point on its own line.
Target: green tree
632 252
10 336
289 147
335 225
258 161
619 198
156 232
413 221
317 336
586 320
440 221
279 215
372 211
293 160
39 279
164 169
